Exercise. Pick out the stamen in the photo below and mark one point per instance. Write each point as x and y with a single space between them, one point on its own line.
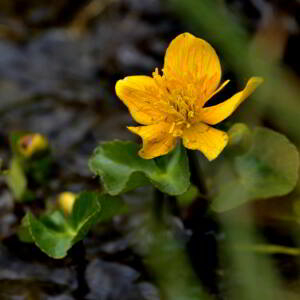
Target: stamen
176 98
177 132
180 123
191 114
172 127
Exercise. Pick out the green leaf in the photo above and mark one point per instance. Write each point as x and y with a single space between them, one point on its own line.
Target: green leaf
173 177
116 162
39 168
110 207
240 139
86 209
16 179
121 169
268 169
23 231
166 258
14 138
54 243
189 196
55 234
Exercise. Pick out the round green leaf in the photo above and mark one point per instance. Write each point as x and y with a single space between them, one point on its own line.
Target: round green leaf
268 169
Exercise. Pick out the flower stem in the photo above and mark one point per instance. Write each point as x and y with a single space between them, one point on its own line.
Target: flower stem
159 205
196 173
79 261
164 204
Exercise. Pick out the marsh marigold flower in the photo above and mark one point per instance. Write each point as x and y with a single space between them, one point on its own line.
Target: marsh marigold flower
66 202
171 105
32 143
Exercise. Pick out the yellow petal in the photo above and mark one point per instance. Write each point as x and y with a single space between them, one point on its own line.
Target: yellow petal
208 140
220 88
157 139
217 113
140 95
199 109
193 60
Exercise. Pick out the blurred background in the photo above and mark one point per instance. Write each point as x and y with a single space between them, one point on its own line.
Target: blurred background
59 62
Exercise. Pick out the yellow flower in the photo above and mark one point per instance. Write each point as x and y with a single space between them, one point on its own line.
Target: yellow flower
172 105
32 143
66 202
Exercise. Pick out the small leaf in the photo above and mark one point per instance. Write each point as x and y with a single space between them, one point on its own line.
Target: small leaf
54 243
23 231
85 208
268 169
121 169
16 179
55 234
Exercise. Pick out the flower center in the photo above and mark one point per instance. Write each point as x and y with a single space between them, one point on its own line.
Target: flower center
180 99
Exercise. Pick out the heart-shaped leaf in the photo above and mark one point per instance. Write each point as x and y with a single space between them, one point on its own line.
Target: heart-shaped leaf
121 168
268 169
55 234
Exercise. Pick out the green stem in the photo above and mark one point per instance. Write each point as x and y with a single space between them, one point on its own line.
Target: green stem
269 249
159 205
196 172
77 253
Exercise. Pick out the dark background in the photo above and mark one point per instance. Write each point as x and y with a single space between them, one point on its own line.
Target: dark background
59 62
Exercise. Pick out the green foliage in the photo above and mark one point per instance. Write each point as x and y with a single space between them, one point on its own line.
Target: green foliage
40 168
245 264
189 196
240 139
22 169
268 249
55 234
16 179
23 231
14 138
121 169
268 169
167 261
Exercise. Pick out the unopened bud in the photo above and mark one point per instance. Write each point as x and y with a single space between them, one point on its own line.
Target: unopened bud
66 202
240 139
32 143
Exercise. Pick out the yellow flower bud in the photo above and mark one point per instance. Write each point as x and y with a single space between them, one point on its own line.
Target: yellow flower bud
32 143
66 202
240 139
